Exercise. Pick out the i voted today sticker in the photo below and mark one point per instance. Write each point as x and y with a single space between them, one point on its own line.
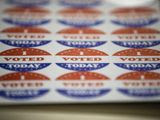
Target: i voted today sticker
139 84
138 59
81 59
82 85
26 16
24 59
136 37
134 16
23 86
77 17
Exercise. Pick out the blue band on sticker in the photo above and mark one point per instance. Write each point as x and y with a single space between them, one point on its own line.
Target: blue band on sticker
22 94
24 67
139 66
25 43
83 94
141 92
80 5
81 44
28 3
137 44
26 23
82 66
136 24
80 24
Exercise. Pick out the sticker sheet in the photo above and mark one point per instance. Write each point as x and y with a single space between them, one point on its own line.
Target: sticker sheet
78 51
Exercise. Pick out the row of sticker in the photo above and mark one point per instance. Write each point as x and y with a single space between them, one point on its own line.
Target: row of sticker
80 17
79 85
79 59
88 37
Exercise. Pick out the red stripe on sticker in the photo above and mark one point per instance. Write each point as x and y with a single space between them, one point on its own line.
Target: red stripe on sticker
80 31
80 11
81 52
25 30
138 10
83 76
23 10
23 76
138 52
24 52
140 76
136 31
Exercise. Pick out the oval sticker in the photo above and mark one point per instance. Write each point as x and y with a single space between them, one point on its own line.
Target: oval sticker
134 16
26 16
78 54
136 37
133 59
76 17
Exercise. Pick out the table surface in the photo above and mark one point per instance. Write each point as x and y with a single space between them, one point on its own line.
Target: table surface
116 111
